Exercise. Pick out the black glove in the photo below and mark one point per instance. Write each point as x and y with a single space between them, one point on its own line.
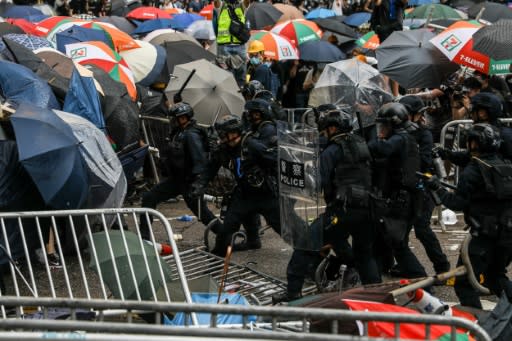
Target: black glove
433 183
177 98
444 153
196 190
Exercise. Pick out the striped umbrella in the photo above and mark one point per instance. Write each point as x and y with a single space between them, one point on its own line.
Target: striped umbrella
277 47
456 43
45 26
298 31
369 41
99 54
120 40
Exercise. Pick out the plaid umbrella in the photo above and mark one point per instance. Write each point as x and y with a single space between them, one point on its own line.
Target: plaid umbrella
277 47
31 42
298 31
495 40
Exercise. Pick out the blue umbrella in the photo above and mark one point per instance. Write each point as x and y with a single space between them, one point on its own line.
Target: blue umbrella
21 12
320 51
151 25
182 21
29 41
77 34
321 13
82 99
422 2
36 17
49 151
357 19
19 84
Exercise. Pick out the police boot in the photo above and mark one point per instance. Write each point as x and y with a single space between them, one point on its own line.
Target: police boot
221 246
285 297
251 242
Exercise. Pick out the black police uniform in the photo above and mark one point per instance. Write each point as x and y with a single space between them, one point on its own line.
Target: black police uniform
396 161
186 160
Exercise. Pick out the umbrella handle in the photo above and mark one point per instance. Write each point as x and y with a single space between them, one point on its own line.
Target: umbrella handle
224 272
184 85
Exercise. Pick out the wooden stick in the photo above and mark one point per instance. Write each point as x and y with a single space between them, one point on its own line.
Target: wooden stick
224 273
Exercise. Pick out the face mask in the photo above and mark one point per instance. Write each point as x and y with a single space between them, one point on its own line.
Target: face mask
255 60
269 64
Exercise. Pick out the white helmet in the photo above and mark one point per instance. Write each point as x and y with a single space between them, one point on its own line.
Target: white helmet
449 217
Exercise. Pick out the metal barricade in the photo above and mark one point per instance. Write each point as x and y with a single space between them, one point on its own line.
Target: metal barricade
270 322
295 115
155 130
100 256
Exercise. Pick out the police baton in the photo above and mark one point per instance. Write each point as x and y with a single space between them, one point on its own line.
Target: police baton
183 86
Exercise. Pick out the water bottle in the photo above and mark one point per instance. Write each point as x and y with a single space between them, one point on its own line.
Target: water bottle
429 304
438 164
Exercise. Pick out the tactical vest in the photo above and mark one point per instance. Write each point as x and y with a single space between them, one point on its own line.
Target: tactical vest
223 23
353 177
407 171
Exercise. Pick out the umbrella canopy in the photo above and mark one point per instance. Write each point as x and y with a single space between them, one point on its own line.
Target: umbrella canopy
492 11
181 21
336 26
261 15
151 25
289 12
369 41
140 269
78 34
6 28
320 51
158 37
31 42
320 13
212 91
353 83
120 40
456 43
298 31
495 40
201 29
277 47
121 23
99 54
181 52
21 12
436 11
45 26
49 151
19 84
357 19
410 59
207 12
61 26
148 13
421 2
146 62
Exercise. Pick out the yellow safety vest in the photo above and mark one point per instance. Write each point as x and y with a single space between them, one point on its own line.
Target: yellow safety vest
223 23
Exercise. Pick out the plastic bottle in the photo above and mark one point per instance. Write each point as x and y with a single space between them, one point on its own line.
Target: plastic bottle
429 304
163 249
185 217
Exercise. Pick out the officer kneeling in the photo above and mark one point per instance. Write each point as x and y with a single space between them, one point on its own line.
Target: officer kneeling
484 194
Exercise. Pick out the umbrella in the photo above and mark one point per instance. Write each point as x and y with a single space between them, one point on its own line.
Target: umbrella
31 42
320 51
61 26
201 29
410 59
277 47
181 52
320 13
465 4
21 12
99 54
6 28
357 19
121 23
158 37
421 2
148 13
181 21
49 151
207 12
45 9
151 25
298 31
335 26
175 10
289 12
260 15
19 84
369 41
492 11
45 26
353 83
338 38
27 26
434 11
120 40
456 43
140 269
494 40
77 34
212 91
146 62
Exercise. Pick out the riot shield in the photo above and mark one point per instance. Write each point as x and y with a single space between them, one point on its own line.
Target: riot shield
299 186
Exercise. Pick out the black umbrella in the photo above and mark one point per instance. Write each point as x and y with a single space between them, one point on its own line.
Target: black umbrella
6 28
338 38
465 3
121 23
262 14
495 40
320 51
182 52
409 58
492 11
336 26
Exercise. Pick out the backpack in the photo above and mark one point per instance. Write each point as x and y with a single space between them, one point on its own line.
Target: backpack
237 28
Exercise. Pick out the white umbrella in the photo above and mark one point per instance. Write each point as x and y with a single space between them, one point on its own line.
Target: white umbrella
158 37
212 92
146 62
201 29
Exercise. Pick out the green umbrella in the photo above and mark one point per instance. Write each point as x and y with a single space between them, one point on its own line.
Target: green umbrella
141 272
438 12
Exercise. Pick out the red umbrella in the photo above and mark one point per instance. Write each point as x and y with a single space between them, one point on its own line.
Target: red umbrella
24 24
207 12
148 13
45 26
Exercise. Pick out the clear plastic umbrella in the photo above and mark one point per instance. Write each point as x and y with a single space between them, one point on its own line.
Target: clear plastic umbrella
354 84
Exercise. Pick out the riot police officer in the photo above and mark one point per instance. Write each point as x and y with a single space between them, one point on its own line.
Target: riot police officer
186 159
346 182
421 223
256 191
396 161
484 194
227 155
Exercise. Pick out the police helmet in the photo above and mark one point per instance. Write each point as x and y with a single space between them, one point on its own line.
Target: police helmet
261 106
250 89
395 114
340 119
487 137
488 101
181 109
228 124
265 95
412 103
